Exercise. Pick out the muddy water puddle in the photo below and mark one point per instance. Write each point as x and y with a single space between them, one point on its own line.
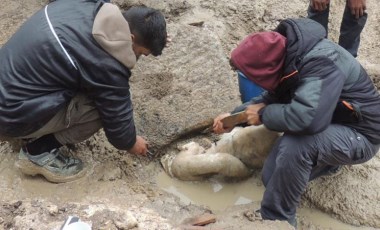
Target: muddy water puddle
16 186
220 195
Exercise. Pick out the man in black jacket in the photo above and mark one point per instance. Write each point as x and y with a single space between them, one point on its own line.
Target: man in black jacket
65 73
319 96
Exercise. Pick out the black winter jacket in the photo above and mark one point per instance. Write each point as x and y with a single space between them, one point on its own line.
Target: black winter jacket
322 84
39 76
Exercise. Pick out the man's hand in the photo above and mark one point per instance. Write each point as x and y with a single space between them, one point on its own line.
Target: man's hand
319 5
140 147
357 7
168 41
252 112
218 127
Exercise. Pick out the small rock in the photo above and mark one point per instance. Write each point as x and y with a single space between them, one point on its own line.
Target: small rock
127 222
199 24
17 204
62 210
252 216
53 210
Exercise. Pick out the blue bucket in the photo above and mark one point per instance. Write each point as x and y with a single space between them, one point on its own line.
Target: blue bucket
247 88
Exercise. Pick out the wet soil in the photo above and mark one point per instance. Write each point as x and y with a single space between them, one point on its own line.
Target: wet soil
122 191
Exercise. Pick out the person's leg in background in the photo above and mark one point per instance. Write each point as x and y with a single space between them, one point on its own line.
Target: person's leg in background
75 123
295 160
322 17
350 30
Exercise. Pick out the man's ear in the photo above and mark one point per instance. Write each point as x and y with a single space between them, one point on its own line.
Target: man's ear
133 37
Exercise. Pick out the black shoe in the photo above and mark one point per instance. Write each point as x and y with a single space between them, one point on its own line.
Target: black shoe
334 171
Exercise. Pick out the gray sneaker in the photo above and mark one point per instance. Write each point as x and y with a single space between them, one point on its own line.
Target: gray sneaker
53 165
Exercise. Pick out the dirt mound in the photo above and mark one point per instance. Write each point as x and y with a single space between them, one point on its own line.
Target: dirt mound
175 96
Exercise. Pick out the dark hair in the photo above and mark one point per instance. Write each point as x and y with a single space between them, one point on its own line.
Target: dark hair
148 26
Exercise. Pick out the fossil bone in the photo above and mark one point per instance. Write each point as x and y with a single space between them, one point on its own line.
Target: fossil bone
233 156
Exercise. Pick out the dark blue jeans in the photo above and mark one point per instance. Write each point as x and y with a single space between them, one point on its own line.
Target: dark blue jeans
295 160
350 27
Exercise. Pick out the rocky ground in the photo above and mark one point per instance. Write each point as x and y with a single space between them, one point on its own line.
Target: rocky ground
175 96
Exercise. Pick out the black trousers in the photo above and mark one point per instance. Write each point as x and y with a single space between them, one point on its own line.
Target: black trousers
350 27
295 160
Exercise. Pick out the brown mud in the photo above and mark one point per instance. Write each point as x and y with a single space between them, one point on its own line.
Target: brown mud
175 93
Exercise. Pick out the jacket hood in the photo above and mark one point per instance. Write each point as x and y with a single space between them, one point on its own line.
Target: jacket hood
112 33
302 35
260 57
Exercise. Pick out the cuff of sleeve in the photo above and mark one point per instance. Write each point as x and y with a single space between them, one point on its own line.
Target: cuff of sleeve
123 144
261 112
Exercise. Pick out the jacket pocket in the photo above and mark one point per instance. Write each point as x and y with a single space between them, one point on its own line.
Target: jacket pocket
346 112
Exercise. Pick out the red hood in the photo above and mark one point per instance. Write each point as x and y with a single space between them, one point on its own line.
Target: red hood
260 57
